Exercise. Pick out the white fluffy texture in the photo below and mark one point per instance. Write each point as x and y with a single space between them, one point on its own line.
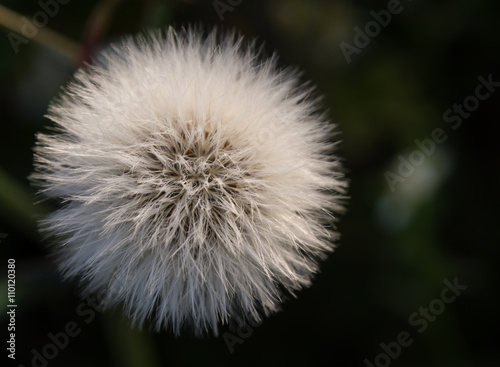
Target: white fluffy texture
197 179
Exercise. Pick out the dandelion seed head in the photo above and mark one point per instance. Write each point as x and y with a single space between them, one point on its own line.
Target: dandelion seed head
198 181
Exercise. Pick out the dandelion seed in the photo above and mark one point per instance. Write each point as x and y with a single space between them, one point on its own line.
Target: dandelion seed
173 201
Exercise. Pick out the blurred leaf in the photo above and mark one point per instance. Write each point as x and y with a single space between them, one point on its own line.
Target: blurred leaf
16 205
129 348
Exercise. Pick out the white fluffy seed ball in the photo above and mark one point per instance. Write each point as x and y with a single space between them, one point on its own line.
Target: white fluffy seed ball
198 181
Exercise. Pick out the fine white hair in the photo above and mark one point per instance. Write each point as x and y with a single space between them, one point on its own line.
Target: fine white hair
199 182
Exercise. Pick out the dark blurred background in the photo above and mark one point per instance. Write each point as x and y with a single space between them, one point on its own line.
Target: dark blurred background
398 246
